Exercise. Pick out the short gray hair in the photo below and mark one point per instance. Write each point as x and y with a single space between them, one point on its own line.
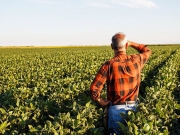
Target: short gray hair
119 40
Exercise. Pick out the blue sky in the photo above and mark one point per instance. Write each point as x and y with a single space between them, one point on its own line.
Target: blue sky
88 22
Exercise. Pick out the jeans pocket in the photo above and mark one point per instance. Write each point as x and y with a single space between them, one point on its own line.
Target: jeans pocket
115 117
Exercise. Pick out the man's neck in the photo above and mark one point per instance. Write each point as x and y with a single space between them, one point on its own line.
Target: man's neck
119 52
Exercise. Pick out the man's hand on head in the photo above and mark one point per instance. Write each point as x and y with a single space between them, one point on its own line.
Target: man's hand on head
129 43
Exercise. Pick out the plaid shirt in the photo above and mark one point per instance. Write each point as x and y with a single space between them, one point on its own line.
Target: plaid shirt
122 76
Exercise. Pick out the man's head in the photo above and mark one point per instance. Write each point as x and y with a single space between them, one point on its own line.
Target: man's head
119 41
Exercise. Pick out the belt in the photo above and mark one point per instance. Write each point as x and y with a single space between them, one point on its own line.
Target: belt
124 103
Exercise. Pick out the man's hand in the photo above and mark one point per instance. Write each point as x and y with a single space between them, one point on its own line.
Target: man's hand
129 43
103 102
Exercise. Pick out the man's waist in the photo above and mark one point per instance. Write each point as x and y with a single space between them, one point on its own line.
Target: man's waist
124 103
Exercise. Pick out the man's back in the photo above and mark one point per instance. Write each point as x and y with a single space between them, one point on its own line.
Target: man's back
122 75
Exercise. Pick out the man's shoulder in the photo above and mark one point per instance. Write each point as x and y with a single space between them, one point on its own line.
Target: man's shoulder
110 61
107 62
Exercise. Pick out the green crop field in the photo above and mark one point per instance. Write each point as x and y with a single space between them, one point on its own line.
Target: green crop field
46 91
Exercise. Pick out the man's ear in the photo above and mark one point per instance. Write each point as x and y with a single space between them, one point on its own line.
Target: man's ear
112 46
126 46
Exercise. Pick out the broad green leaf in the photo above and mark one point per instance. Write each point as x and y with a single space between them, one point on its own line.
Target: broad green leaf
17 102
4 125
146 127
2 111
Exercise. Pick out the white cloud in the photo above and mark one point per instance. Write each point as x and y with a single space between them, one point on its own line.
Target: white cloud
42 1
127 3
136 3
98 4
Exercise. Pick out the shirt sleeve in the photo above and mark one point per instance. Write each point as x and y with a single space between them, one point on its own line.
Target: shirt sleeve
144 54
99 81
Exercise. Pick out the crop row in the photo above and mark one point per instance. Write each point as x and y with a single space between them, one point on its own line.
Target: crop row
46 90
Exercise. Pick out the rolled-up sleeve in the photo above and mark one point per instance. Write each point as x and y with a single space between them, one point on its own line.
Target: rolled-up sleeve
144 53
98 82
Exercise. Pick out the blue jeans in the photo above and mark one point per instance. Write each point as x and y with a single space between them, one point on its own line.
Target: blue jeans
114 116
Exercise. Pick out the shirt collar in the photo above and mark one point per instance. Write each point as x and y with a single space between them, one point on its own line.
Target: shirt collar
120 53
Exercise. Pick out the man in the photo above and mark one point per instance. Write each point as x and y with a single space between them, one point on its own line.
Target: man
122 76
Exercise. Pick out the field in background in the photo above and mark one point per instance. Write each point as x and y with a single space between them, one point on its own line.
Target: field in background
45 90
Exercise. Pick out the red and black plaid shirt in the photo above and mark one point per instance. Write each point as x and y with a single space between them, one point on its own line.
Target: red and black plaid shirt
122 76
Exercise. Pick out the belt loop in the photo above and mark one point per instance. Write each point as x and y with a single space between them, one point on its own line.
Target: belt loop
137 102
126 104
